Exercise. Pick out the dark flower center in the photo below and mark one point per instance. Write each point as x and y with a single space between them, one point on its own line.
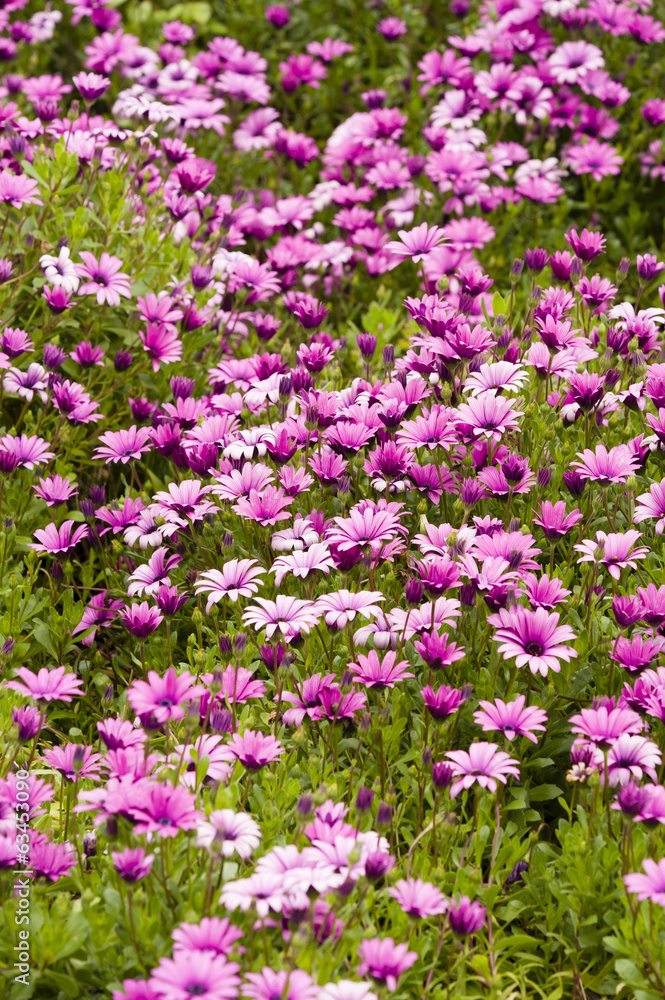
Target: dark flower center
534 648
100 280
164 821
166 702
196 989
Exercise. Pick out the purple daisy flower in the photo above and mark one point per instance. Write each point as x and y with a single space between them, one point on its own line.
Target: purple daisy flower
384 960
466 917
418 899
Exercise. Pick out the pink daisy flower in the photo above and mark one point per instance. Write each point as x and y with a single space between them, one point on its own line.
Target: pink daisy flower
266 507
163 697
605 725
341 607
605 467
227 833
416 243
103 278
46 685
268 984
162 344
615 551
303 562
59 540
254 750
195 973
211 934
237 578
124 445
384 960
652 504
289 615
489 416
379 674
650 886
418 899
510 718
17 189
533 637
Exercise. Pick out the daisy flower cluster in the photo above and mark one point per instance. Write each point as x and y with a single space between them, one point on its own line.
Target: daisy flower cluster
332 500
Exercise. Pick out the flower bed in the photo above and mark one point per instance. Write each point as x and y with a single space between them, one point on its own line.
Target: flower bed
332 607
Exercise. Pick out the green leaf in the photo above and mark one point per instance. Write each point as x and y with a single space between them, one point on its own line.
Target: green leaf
499 305
67 984
42 633
629 972
541 793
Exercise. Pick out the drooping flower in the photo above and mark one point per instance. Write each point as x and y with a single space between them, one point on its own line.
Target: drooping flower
483 763
46 685
237 578
124 445
254 750
291 615
59 540
511 718
380 674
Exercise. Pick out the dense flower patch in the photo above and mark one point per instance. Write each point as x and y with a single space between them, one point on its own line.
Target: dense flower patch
332 495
